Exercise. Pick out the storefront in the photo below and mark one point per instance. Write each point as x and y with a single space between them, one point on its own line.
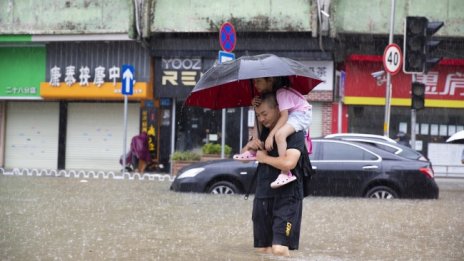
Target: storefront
85 80
444 100
175 77
188 128
29 126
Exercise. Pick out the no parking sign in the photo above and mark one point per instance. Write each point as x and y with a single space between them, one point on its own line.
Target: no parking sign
227 37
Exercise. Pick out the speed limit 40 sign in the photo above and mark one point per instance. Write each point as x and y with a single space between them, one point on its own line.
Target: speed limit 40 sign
392 59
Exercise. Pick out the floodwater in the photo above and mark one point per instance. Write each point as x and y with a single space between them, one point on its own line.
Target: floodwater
58 218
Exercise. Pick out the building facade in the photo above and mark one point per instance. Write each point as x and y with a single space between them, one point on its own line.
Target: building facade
59 123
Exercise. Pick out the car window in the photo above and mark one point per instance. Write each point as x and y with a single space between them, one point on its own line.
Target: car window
316 146
382 147
410 154
342 151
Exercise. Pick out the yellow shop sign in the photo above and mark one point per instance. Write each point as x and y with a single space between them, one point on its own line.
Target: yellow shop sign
91 91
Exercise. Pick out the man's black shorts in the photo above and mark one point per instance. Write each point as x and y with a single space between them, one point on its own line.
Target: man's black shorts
277 221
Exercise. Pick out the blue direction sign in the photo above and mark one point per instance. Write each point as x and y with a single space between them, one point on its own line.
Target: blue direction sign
225 56
127 79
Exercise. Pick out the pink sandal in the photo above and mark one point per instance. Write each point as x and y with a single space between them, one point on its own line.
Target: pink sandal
246 156
283 179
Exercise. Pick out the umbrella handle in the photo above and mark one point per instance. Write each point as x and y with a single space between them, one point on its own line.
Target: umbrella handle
252 89
257 126
256 117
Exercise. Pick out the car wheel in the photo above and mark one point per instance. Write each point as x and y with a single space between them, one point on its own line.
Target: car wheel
381 192
223 187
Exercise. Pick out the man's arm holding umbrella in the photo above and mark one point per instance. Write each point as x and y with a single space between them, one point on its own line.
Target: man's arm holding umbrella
255 102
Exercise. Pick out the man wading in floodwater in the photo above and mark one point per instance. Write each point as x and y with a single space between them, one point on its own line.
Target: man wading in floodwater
276 212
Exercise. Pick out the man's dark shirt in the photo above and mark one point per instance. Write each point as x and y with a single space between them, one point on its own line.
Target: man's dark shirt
267 173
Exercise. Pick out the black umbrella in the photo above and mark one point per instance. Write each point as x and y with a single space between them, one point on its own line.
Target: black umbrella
228 85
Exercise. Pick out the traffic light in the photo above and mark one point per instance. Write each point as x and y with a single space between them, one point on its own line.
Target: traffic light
415 32
432 28
417 96
418 44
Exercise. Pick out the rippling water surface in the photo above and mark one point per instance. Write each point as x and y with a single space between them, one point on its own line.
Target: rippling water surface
57 218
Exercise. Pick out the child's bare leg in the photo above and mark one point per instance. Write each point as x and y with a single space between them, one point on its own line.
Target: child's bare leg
285 176
281 140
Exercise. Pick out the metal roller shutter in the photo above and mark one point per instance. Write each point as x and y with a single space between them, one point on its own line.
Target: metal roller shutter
316 125
95 134
31 138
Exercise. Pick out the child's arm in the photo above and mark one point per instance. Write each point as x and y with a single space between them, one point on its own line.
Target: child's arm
281 122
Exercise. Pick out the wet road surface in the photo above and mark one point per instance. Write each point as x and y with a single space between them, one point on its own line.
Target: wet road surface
58 218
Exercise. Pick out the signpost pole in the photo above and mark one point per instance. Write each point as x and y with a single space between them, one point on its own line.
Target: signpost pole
125 137
173 131
241 127
227 40
386 124
127 88
223 134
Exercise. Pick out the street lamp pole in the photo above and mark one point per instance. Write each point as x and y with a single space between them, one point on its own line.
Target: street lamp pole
386 124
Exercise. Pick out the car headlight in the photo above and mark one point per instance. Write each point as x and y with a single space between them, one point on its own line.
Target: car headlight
190 173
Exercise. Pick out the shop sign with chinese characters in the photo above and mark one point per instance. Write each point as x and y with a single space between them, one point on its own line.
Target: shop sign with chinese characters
149 122
22 69
84 86
325 71
444 85
19 91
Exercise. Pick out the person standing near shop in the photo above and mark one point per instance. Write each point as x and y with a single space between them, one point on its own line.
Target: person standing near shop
403 139
277 212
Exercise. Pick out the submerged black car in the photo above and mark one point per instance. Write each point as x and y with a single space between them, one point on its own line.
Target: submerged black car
343 168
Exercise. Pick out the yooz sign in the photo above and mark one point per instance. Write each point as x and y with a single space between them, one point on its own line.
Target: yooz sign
181 64
178 71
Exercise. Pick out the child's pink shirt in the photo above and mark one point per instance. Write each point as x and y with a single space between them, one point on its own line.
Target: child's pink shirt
291 100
